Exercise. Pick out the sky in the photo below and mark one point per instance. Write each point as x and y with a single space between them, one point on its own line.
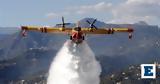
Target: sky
15 13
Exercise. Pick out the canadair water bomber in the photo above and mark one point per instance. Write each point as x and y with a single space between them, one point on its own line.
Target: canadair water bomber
78 33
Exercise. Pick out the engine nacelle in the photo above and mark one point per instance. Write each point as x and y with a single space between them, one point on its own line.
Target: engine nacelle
110 31
43 29
61 29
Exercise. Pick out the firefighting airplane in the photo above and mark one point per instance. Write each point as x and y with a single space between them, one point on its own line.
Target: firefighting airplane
77 34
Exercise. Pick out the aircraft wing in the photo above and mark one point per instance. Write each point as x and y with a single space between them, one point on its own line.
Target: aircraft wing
105 30
46 29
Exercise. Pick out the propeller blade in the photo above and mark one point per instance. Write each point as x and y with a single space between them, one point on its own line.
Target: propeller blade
94 26
58 24
62 19
88 22
63 24
67 23
94 21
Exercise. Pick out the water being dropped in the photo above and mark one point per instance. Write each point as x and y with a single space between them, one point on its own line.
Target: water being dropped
74 65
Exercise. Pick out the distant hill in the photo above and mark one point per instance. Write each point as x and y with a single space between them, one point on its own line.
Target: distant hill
22 58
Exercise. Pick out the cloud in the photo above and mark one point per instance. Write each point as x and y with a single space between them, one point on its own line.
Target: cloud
136 10
100 7
142 2
81 10
128 11
85 9
51 15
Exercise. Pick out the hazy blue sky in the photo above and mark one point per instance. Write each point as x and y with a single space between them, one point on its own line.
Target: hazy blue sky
49 12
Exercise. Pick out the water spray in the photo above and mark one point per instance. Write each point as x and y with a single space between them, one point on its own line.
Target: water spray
74 65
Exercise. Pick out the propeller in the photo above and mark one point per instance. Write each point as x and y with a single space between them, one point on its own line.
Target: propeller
63 23
92 24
